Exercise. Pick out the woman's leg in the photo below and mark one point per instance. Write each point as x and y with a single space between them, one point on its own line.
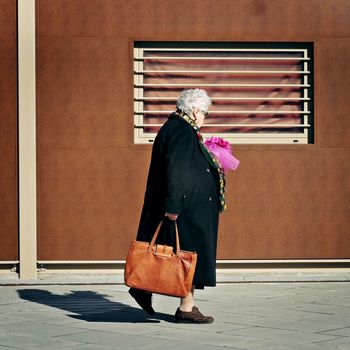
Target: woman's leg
143 298
187 303
187 312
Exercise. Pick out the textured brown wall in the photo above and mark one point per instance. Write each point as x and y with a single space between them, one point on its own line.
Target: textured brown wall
285 201
8 132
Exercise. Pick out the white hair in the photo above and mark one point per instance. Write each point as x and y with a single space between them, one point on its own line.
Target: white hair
191 99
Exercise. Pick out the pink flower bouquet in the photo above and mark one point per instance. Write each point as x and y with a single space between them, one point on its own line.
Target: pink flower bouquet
222 151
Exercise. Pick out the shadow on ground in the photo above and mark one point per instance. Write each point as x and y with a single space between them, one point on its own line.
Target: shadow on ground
92 306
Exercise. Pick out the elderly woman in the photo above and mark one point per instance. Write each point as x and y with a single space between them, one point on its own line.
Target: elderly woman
185 183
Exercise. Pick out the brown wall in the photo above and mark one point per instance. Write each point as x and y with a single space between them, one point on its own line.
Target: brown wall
285 201
8 132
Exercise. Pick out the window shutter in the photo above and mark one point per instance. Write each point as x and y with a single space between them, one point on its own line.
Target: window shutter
261 93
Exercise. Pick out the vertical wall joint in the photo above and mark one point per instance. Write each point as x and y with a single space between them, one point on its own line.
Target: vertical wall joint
26 138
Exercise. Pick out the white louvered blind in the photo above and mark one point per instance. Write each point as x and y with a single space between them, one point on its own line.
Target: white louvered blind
261 94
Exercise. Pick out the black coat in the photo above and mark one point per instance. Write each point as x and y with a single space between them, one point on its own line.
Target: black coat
181 181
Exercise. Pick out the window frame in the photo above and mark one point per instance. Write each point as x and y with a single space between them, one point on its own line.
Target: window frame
307 137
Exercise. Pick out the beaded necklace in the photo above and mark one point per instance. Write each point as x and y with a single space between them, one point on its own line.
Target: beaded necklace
211 159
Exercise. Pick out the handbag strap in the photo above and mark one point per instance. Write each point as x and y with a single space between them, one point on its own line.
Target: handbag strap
156 235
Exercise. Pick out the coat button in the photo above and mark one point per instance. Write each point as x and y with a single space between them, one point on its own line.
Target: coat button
210 199
208 170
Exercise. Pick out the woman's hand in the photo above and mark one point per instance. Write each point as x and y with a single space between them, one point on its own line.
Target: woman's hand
171 216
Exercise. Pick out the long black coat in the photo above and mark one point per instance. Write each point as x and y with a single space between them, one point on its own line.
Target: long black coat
181 181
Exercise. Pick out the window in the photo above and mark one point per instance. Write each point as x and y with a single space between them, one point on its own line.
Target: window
262 93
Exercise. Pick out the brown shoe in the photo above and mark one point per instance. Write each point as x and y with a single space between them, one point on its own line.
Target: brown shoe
144 299
192 316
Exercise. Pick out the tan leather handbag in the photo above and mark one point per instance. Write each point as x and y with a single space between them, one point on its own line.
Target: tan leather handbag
156 268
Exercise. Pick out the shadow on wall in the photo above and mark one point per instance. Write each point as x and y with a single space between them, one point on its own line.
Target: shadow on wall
91 306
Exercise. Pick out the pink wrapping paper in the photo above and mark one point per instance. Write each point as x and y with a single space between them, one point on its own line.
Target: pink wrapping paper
223 152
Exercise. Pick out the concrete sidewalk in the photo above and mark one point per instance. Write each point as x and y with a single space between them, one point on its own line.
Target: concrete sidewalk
254 316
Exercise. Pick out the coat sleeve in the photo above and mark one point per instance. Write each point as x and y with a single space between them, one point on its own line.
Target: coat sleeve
179 148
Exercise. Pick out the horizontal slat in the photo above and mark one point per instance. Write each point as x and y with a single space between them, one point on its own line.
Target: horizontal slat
140 126
252 135
243 137
240 135
222 85
156 98
302 51
218 58
231 112
223 71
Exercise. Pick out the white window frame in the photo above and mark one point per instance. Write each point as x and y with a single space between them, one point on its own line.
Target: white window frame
141 137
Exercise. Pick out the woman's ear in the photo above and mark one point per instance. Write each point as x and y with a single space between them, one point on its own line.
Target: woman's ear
195 113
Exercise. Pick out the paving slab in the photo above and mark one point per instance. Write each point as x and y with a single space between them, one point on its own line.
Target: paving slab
248 316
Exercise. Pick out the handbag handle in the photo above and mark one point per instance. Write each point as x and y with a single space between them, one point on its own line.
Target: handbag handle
156 235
